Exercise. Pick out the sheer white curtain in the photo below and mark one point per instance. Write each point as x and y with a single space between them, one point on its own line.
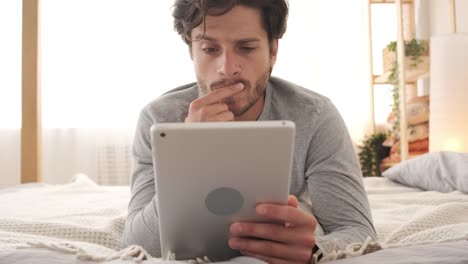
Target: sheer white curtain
103 154
103 60
10 91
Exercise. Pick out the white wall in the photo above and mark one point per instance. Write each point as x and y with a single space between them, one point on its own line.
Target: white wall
440 16
102 154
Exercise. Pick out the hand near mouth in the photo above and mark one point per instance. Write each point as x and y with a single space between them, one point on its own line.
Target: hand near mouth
212 107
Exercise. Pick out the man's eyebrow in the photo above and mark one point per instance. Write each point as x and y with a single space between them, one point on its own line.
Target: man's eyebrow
208 38
246 40
204 37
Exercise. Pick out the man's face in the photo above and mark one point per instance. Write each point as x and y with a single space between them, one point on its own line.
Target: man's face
235 48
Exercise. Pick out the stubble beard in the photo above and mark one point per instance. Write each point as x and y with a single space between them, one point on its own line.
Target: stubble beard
253 94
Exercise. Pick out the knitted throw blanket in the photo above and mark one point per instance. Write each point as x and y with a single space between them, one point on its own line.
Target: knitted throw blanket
79 211
406 216
86 219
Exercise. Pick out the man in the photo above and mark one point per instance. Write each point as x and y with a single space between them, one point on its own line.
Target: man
233 46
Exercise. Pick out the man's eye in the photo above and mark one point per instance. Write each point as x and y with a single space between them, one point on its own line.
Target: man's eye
209 50
247 49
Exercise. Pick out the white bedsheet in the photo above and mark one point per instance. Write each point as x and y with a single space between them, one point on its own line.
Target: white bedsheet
92 217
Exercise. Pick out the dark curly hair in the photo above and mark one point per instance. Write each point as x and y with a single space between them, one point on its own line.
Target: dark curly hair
189 14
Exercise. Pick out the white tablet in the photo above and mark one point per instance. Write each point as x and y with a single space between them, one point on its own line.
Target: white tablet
209 175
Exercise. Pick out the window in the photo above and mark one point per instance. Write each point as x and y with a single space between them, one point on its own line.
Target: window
10 64
102 61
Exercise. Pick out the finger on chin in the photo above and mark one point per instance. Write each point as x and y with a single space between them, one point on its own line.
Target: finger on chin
292 201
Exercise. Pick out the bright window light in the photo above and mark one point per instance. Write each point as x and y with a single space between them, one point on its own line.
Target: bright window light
102 61
10 64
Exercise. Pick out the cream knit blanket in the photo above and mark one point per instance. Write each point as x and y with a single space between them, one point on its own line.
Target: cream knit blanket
79 211
90 217
408 216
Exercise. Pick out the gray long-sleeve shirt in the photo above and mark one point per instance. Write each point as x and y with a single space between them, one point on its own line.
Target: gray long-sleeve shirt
325 170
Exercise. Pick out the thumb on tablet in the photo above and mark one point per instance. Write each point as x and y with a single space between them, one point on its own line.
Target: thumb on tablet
292 201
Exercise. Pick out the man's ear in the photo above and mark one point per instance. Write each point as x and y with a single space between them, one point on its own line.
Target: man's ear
274 51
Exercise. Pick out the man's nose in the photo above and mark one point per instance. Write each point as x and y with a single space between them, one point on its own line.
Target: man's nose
229 65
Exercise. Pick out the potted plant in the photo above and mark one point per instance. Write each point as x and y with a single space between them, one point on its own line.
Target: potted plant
371 153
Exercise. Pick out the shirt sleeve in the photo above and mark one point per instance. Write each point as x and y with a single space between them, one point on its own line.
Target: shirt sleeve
335 187
142 226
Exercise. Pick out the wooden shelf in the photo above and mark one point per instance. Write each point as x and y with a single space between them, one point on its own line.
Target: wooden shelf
412 73
411 77
378 82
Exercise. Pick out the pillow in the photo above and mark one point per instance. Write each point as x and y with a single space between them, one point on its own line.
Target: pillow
436 171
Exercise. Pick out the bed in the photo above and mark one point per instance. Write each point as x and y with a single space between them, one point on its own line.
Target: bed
420 210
